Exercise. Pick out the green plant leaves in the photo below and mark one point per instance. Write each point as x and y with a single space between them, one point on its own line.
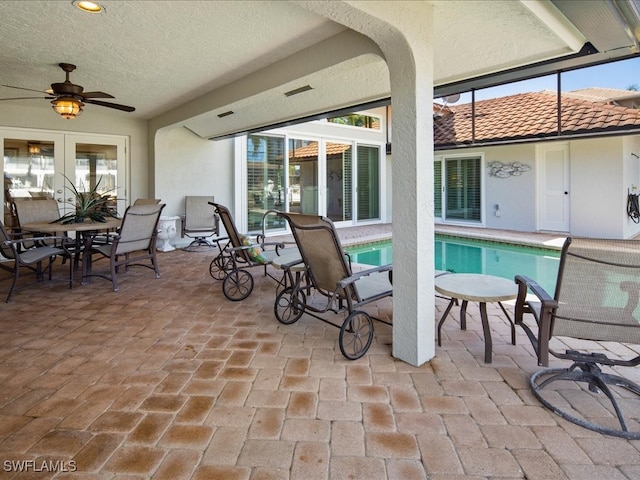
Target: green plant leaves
89 205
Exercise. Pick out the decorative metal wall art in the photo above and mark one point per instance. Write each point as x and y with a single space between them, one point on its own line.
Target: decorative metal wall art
505 170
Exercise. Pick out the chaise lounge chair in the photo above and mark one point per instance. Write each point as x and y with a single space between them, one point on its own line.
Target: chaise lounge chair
329 275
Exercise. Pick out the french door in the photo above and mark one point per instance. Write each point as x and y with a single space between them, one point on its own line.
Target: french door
44 164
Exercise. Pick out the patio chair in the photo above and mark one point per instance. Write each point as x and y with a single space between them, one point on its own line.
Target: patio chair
30 210
339 289
134 243
237 253
31 258
199 221
596 300
146 201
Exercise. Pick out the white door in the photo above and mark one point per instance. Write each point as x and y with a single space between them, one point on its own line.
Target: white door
36 163
553 187
93 162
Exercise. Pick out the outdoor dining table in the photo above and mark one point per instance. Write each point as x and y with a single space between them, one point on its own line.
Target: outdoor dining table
87 231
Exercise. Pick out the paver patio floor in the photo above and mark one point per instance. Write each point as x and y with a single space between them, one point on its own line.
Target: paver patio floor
167 379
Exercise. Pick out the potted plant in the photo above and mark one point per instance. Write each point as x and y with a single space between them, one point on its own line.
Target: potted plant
90 205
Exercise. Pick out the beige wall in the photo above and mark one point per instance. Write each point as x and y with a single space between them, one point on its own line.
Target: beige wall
38 114
186 164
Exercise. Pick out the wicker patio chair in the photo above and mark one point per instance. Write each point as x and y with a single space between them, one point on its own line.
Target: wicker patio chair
596 300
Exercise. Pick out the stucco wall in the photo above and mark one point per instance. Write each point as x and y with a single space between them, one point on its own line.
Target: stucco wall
186 164
631 179
596 186
515 194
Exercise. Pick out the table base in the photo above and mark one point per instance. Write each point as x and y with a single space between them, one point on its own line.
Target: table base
488 343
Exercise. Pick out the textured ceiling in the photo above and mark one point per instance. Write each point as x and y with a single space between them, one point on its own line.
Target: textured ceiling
151 55
206 57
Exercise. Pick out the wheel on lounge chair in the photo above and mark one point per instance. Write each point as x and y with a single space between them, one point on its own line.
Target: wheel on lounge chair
289 306
356 335
219 266
237 285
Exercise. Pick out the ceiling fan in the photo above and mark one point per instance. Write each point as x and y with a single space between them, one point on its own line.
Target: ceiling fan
68 98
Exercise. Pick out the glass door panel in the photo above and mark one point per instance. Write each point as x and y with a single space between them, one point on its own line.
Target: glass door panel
463 177
96 164
339 182
265 181
303 176
368 183
29 168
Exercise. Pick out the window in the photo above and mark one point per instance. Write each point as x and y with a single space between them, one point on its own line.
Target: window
357 120
368 190
265 178
461 200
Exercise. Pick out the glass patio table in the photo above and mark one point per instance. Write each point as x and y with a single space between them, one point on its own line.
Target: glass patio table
87 231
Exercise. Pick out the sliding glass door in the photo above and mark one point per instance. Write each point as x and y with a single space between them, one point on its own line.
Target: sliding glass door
458 189
314 177
265 179
303 176
368 185
339 181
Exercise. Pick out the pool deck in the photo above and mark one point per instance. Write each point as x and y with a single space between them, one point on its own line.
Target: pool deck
363 234
167 379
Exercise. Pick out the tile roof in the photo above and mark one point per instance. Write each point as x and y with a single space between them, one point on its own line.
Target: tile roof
529 116
311 150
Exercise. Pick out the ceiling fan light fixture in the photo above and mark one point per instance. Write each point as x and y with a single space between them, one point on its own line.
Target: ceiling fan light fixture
67 107
86 6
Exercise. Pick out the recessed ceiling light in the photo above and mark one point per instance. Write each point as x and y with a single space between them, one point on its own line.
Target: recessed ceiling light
85 6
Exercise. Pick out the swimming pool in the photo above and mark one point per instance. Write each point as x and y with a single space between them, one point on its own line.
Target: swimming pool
460 255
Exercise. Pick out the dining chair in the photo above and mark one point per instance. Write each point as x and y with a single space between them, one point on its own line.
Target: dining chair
30 210
146 201
31 258
134 242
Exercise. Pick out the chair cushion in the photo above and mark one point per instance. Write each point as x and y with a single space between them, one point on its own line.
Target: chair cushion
255 252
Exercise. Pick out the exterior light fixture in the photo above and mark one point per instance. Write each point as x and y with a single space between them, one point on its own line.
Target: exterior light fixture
67 107
90 7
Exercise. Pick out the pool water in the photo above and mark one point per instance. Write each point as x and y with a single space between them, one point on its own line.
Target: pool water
476 256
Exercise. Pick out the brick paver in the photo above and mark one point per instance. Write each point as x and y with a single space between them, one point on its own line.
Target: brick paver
167 379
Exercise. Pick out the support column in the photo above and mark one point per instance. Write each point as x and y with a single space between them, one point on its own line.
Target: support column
403 31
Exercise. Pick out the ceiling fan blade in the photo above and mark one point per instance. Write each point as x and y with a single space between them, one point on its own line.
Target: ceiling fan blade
97 95
27 98
22 88
117 106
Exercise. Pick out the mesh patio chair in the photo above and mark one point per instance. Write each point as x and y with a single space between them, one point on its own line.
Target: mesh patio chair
134 243
237 253
596 300
337 288
199 221
31 258
146 201
29 210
